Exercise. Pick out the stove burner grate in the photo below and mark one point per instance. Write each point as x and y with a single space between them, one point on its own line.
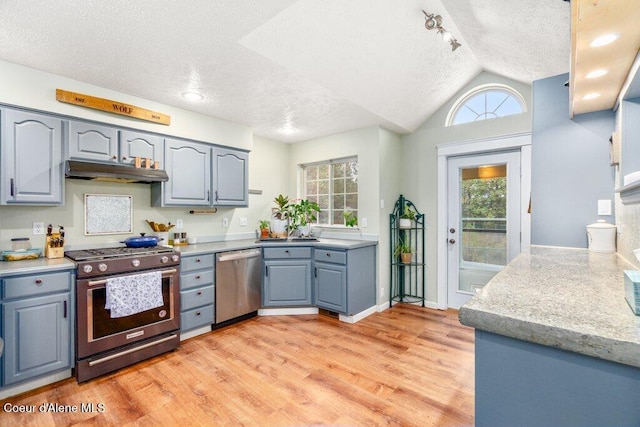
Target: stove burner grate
116 252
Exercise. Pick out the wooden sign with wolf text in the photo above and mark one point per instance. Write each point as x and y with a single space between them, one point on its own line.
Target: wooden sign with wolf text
110 106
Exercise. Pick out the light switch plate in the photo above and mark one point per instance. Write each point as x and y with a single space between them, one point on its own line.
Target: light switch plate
604 207
225 222
243 222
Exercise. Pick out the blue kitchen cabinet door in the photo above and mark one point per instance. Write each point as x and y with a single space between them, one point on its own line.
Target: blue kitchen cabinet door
92 142
230 177
143 145
31 159
37 337
188 166
331 286
287 283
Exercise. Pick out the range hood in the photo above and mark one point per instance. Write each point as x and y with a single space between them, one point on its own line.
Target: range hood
113 172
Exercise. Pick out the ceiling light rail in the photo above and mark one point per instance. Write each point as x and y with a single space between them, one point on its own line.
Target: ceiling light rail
434 22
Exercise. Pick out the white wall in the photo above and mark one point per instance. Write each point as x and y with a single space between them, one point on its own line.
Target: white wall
419 171
362 143
378 152
27 87
390 190
268 162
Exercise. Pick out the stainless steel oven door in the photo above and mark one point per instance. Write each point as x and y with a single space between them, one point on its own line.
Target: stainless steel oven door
97 331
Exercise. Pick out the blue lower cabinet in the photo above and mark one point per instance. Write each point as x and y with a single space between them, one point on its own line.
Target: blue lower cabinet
345 280
197 291
196 318
331 286
287 283
37 332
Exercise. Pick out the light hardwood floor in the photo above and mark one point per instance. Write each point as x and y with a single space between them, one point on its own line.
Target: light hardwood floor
405 366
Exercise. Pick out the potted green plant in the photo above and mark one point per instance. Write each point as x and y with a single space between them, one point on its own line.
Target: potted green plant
280 216
350 220
404 251
264 228
301 215
407 217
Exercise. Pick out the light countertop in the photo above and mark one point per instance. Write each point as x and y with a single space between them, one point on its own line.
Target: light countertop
566 298
35 266
45 265
232 245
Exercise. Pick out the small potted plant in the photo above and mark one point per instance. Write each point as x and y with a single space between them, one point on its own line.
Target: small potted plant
407 217
301 215
404 251
264 228
280 216
350 220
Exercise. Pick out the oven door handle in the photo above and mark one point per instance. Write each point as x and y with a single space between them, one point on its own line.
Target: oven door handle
104 281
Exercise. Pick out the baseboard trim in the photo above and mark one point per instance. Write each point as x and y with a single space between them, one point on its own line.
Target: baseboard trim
358 316
31 385
291 311
194 332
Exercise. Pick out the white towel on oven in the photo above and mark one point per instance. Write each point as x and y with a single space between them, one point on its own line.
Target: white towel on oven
127 295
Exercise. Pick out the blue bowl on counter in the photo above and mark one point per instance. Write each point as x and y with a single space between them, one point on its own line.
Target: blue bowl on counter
632 289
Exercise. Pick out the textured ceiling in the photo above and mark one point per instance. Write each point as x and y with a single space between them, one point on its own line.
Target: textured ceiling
292 70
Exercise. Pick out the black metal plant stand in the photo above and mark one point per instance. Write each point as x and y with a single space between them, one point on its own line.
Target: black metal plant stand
407 278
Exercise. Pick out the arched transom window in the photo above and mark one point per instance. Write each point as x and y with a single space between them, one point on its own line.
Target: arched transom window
484 103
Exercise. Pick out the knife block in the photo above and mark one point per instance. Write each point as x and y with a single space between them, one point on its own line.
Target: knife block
52 252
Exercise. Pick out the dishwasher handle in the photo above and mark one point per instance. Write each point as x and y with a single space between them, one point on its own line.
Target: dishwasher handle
230 256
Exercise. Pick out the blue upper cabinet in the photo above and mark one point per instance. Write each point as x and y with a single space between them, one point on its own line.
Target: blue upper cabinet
31 159
138 144
97 143
188 165
92 142
230 177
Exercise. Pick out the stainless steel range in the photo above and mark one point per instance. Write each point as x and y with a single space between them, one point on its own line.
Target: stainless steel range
106 342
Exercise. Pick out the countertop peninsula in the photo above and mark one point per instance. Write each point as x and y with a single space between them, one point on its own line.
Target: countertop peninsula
566 298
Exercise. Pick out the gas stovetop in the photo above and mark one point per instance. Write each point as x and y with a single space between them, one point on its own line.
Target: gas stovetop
122 260
117 252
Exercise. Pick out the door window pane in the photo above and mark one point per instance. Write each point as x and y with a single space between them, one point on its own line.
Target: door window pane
483 202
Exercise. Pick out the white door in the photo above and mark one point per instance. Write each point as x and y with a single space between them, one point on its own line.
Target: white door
483 222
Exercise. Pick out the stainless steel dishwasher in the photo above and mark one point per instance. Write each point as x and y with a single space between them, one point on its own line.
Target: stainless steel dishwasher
238 283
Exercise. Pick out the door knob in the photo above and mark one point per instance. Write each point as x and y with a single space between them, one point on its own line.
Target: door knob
452 241
452 230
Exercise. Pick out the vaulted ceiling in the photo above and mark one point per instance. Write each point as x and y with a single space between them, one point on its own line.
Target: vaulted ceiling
290 69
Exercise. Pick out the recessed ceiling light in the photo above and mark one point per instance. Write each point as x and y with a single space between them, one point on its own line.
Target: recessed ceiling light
589 96
192 96
287 129
596 73
605 40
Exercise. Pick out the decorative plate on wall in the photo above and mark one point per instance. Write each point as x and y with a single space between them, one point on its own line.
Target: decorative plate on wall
108 214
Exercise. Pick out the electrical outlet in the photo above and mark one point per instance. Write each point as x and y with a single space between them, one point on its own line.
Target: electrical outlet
243 222
381 291
225 222
38 228
364 223
179 223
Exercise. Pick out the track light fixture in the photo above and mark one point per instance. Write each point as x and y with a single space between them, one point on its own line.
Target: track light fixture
434 22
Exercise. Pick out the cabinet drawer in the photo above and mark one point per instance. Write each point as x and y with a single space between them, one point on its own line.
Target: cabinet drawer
196 297
198 262
196 317
336 257
271 253
199 278
16 287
